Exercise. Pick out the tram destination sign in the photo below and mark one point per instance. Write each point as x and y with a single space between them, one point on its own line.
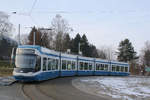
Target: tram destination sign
25 51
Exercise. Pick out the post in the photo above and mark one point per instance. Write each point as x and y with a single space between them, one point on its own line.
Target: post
19 34
79 48
33 38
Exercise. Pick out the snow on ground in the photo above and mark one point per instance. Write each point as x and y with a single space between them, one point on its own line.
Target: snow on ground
5 81
124 88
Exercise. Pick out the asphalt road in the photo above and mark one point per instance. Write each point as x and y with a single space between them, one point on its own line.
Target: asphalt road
62 89
12 92
56 89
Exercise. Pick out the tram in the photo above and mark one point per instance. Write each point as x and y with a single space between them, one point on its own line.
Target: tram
36 63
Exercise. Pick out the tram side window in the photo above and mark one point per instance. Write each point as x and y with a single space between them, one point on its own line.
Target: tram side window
97 66
118 68
102 67
73 65
81 66
113 68
57 63
38 64
126 69
49 64
53 64
85 66
122 68
106 67
63 64
69 65
90 66
44 64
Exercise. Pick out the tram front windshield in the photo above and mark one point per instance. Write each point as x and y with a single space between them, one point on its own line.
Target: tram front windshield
25 60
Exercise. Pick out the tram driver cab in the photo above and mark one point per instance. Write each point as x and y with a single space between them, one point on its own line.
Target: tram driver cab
27 61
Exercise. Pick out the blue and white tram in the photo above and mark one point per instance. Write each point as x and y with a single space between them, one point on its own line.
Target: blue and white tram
35 63
68 65
85 66
119 68
102 67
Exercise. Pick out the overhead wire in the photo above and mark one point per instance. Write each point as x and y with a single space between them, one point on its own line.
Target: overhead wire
35 1
30 13
69 12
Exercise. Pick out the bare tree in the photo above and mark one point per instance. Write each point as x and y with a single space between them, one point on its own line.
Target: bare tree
101 53
60 28
145 54
107 52
23 38
144 59
5 25
47 37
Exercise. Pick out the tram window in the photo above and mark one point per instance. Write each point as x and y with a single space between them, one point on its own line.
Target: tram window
38 64
81 66
56 61
53 64
49 64
126 69
85 66
122 68
64 64
90 66
97 66
102 67
106 67
118 68
113 68
73 65
69 65
44 64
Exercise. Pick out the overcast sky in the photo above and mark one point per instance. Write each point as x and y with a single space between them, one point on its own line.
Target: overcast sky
105 22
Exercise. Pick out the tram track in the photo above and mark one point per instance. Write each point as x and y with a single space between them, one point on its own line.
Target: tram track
31 92
24 93
57 89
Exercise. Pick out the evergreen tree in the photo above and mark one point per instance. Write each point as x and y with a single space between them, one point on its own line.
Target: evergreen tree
126 51
85 46
87 49
67 42
6 45
75 43
92 51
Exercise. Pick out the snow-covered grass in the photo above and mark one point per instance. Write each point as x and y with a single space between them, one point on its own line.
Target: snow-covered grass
124 88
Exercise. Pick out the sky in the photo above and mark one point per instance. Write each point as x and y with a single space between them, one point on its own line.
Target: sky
105 22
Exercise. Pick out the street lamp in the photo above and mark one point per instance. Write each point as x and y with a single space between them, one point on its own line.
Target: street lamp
18 30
